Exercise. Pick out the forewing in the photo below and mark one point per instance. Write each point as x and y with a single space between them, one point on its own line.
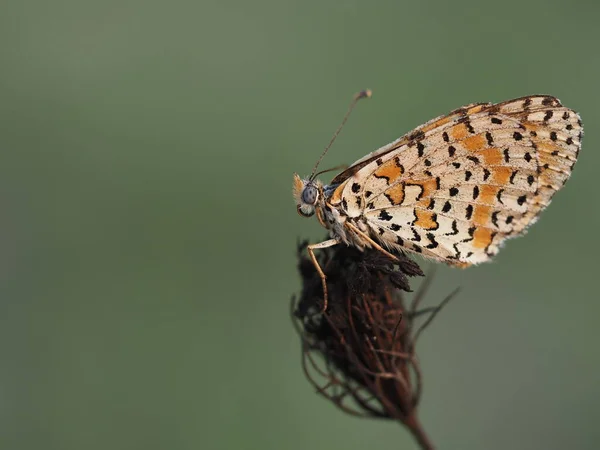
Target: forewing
455 191
433 124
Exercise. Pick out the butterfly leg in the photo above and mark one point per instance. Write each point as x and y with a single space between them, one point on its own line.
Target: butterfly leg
311 248
375 245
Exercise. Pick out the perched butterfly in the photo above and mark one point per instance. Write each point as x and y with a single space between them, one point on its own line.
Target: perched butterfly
453 189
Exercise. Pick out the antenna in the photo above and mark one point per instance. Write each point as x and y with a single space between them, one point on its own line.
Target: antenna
331 169
362 94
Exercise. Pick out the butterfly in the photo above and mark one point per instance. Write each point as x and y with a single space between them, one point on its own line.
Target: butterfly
452 190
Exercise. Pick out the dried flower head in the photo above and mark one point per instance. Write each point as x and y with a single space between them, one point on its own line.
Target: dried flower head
360 353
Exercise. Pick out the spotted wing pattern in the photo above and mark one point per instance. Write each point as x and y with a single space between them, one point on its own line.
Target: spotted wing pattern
457 187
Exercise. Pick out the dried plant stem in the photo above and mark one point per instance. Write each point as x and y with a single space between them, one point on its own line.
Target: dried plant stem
416 429
360 353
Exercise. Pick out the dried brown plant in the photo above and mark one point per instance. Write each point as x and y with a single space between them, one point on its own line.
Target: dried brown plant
360 353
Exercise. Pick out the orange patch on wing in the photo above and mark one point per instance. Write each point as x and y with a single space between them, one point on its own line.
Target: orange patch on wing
429 187
555 162
436 124
552 177
491 156
546 146
396 194
529 126
426 203
481 215
459 132
474 143
487 194
390 170
501 175
475 109
426 220
336 197
482 237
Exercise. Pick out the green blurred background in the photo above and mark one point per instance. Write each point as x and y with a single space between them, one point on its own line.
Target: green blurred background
148 234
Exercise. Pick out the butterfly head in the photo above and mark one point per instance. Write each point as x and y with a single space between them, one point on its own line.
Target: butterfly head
307 194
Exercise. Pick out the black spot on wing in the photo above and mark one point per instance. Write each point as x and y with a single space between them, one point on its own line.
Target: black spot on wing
468 212
548 101
471 233
465 119
416 135
456 251
416 236
499 195
384 215
454 229
433 243
495 218
530 179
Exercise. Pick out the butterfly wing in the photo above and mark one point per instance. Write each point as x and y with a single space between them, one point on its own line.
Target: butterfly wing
407 138
460 185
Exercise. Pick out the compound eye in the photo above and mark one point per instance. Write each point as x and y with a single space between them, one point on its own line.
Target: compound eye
309 195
